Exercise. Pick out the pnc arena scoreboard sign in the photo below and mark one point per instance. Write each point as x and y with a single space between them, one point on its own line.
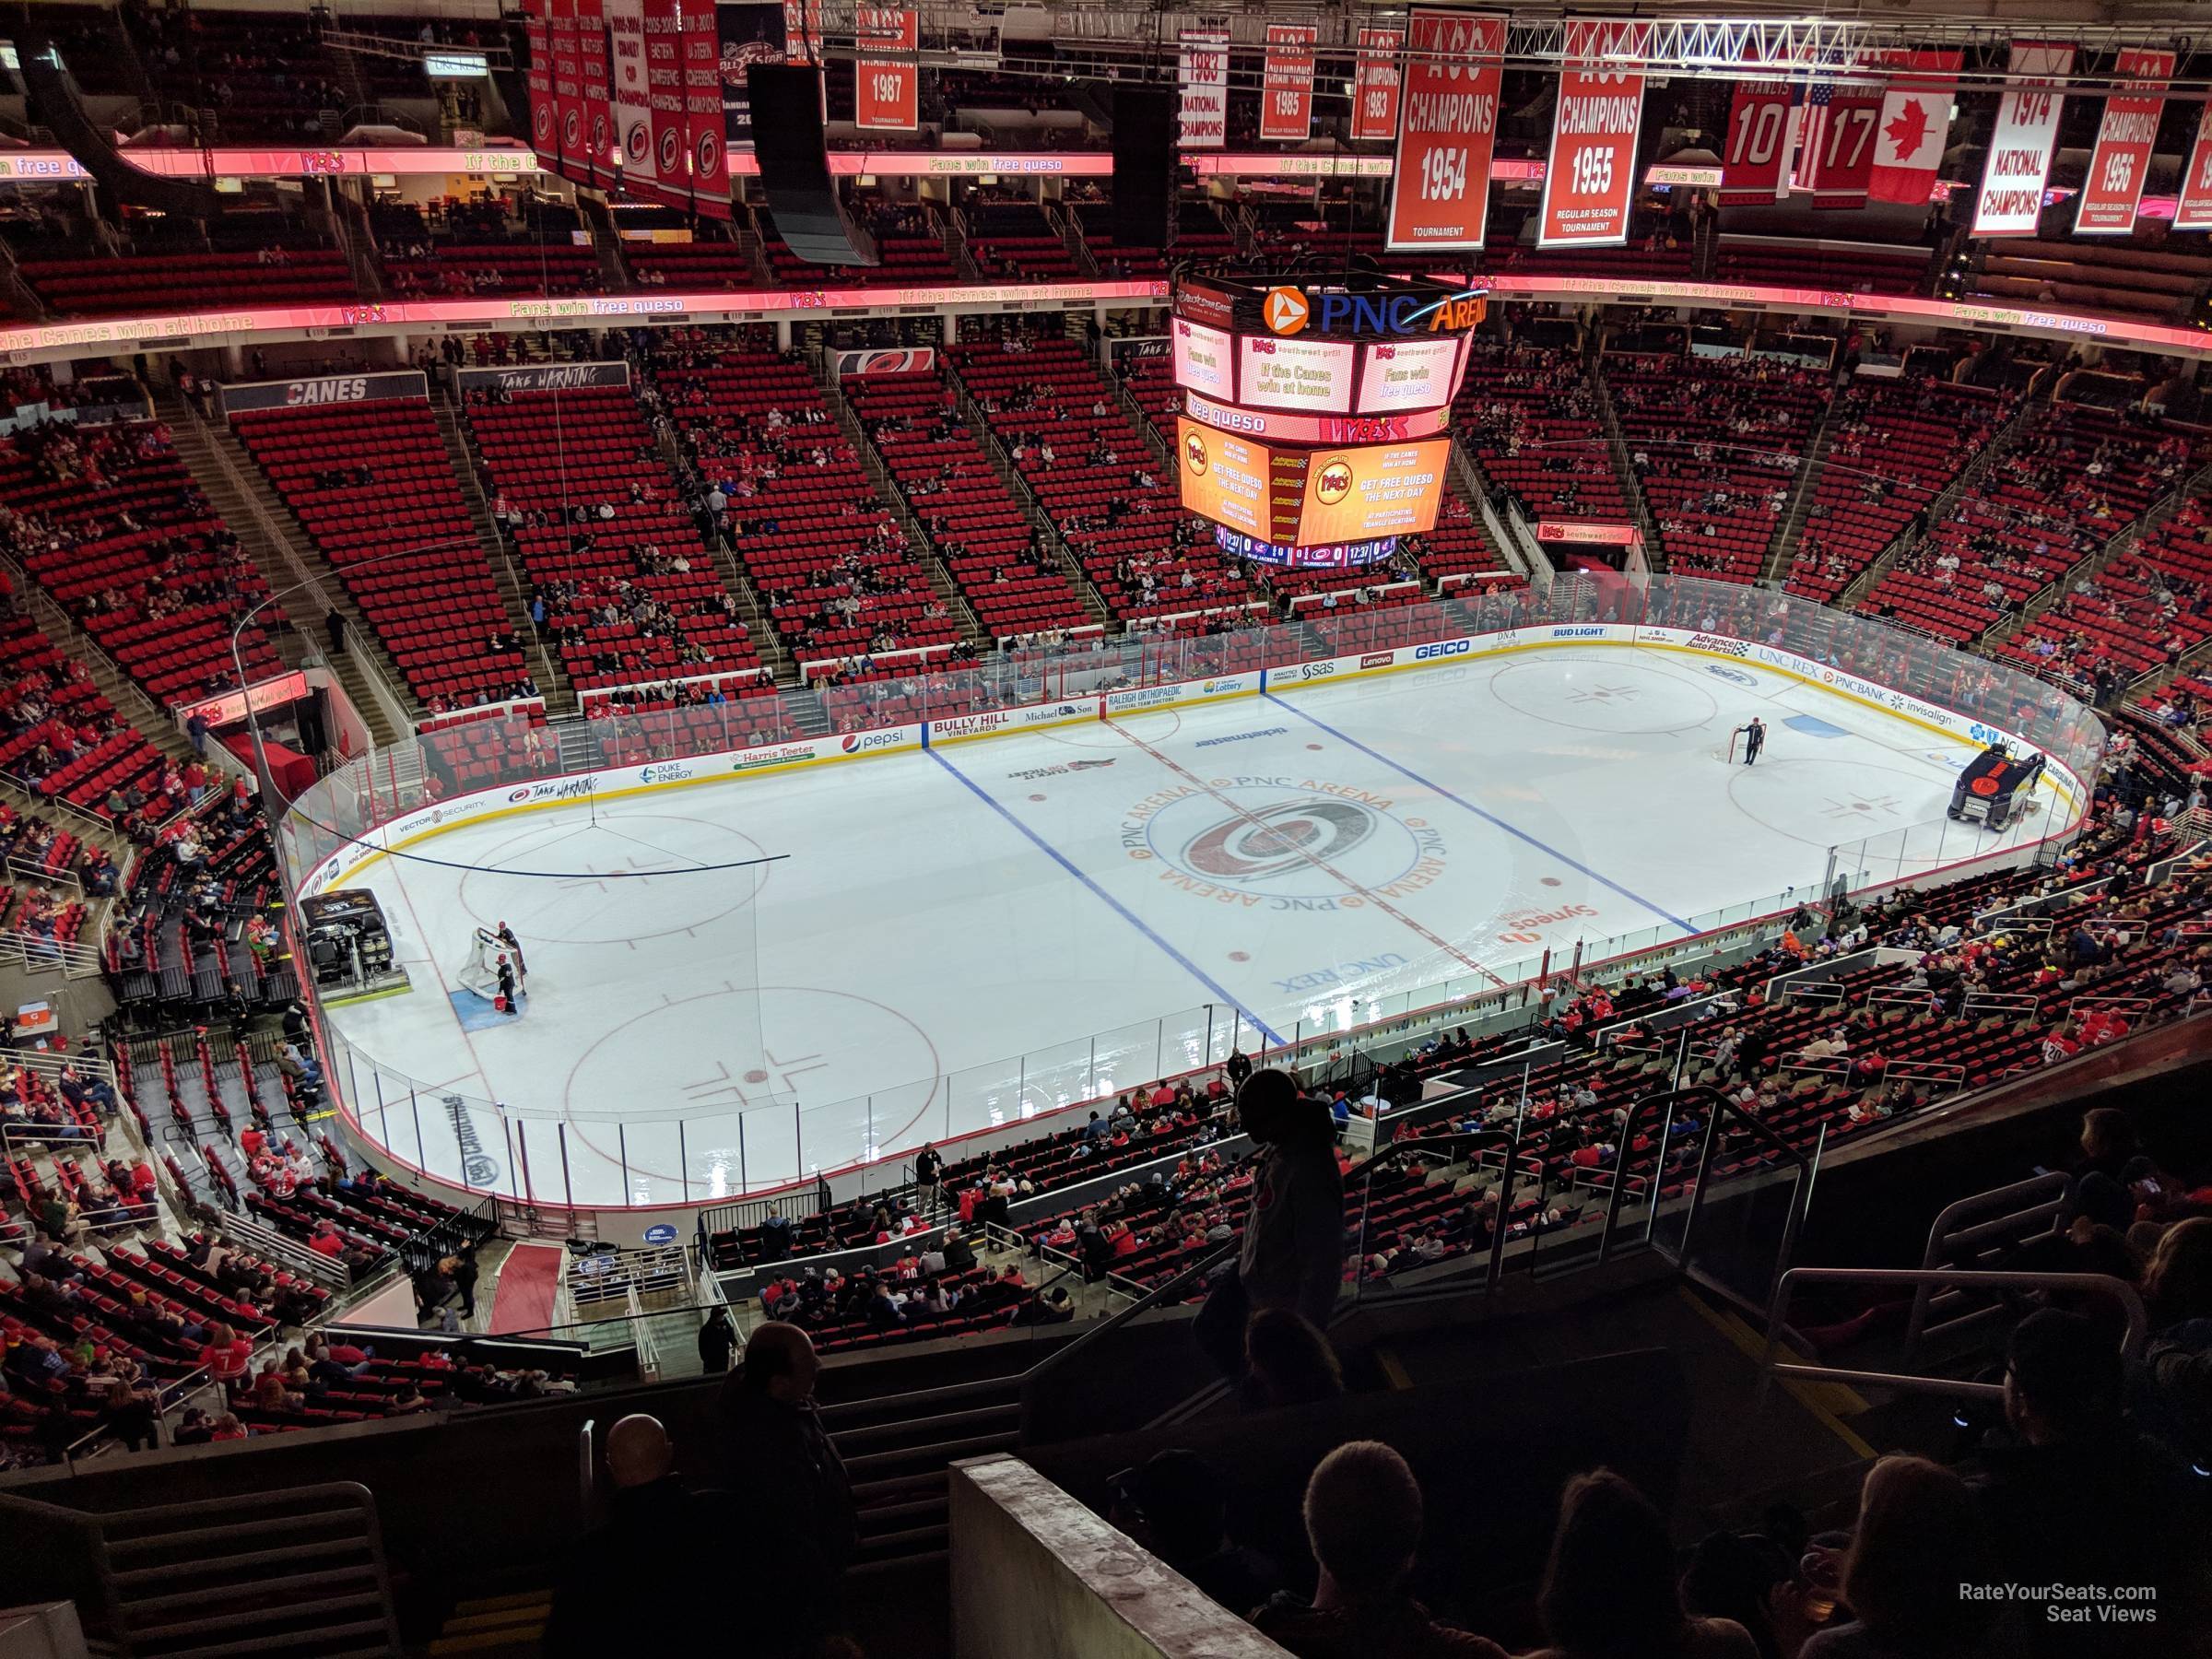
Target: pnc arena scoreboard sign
1313 414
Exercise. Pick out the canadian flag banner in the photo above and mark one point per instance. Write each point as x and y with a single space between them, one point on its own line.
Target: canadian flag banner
633 112
2121 162
2195 211
1375 83
2021 145
1204 76
1916 115
1287 89
1590 179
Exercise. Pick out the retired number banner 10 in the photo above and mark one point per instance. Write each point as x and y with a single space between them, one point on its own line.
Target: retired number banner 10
2121 161
1590 179
1287 84
2020 146
1439 183
886 71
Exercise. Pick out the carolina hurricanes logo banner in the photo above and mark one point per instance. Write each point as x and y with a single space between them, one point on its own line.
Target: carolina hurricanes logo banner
633 112
1755 156
2121 162
545 120
887 70
1203 74
598 93
1916 114
706 158
664 96
1286 83
1439 183
1590 179
2020 146
1375 83
2195 212
568 91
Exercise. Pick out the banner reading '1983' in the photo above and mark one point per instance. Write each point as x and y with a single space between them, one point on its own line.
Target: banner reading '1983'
1590 179
1439 183
1203 74
2121 161
1375 83
2020 146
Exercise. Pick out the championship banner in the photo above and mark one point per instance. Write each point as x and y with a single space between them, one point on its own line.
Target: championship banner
1590 177
1203 75
1375 83
598 90
706 158
803 32
887 74
744 35
664 100
1835 148
1916 115
2120 165
568 91
1755 159
2020 146
1440 181
633 114
1287 84
2193 210
545 120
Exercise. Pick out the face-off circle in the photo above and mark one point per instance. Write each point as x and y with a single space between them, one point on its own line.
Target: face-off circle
1282 838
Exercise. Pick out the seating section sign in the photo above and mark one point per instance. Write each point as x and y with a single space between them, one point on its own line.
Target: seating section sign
1590 178
2021 145
1440 183
2120 163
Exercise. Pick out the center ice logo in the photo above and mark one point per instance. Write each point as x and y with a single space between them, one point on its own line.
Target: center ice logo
1282 843
1295 835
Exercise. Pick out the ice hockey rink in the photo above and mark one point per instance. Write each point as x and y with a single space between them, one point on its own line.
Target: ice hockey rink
963 936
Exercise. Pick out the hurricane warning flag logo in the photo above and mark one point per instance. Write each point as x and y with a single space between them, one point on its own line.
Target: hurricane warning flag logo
1286 311
1333 482
1193 452
1287 836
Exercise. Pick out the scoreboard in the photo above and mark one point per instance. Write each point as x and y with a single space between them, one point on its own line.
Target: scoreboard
1315 420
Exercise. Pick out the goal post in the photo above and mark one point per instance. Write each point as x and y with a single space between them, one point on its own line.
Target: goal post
480 971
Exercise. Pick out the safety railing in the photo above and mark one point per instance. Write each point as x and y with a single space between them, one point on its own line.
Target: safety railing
1966 1234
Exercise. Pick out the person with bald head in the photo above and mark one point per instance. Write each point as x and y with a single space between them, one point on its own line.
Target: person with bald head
643 1581
777 1456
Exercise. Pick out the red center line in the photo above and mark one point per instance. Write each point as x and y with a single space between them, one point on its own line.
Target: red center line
1372 896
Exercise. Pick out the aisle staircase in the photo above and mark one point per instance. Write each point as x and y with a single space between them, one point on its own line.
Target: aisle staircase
1903 543
1790 527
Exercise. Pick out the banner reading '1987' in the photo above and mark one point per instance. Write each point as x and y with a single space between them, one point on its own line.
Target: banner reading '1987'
886 72
2020 146
1439 183
1590 179
2121 161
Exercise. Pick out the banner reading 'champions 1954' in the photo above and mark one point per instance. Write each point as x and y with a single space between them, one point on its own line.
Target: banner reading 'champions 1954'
1440 181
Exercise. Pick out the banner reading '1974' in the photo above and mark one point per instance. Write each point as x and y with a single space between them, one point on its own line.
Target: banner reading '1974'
1590 179
1439 183
2020 146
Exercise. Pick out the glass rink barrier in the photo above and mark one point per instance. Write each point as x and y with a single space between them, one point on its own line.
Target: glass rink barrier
755 1137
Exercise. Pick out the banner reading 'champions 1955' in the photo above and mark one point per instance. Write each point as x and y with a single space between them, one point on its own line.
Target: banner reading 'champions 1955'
1440 181
1590 180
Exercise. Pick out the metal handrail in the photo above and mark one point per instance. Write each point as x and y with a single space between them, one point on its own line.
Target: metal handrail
1966 1222
2118 1293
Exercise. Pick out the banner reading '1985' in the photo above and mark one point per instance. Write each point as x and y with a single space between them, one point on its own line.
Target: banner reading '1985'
1439 183
1286 83
1590 179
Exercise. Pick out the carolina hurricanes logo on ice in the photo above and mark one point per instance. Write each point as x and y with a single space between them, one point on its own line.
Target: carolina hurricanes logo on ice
1291 835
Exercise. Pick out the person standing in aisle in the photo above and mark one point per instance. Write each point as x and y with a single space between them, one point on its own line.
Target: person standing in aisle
929 1165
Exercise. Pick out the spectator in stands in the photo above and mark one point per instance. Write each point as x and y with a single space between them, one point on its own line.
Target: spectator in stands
780 1463
648 1580
1292 1255
227 1356
1176 1505
1287 1362
1919 1541
1752 1578
2173 1390
717 1341
1609 1590
2075 1496
1363 1521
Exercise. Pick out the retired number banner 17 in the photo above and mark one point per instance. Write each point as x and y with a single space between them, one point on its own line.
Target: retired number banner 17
1590 179
1439 183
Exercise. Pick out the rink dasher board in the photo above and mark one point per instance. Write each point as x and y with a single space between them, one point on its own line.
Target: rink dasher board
412 828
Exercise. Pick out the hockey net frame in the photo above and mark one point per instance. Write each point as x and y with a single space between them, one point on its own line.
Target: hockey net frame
480 971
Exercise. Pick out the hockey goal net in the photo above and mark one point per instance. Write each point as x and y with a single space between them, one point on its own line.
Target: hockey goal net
480 971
